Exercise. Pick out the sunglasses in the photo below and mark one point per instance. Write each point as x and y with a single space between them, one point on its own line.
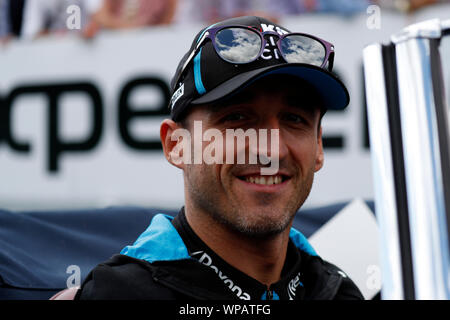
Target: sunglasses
243 44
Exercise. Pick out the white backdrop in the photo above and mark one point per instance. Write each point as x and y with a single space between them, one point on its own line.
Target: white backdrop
112 173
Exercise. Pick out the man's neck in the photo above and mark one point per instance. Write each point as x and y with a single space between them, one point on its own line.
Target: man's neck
260 258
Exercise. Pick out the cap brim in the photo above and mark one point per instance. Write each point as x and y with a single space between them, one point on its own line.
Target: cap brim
333 92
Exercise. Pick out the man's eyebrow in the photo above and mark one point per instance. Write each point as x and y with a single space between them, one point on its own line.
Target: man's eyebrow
305 103
240 98
309 108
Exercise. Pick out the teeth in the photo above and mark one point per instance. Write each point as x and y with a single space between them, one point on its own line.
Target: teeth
267 180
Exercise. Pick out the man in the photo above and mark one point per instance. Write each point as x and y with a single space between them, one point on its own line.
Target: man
233 238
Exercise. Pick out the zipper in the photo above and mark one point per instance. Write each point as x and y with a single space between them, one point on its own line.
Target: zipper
269 295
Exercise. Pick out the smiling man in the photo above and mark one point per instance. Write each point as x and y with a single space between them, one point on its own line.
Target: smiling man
234 239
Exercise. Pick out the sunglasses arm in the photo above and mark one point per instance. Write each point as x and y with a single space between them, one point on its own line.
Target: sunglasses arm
331 61
194 52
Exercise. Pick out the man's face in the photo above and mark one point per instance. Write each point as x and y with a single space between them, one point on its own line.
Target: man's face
234 194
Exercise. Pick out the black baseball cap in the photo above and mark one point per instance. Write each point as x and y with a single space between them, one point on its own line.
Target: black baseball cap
208 78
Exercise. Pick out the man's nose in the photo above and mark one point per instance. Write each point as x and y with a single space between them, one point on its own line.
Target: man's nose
271 142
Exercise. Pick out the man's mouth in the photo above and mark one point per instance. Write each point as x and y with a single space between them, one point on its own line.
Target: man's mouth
264 180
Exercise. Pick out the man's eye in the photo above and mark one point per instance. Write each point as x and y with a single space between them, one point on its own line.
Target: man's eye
234 117
292 117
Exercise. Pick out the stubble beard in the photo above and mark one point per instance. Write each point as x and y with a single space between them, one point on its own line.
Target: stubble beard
234 216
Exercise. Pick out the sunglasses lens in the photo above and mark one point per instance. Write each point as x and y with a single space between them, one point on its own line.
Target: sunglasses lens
302 49
238 45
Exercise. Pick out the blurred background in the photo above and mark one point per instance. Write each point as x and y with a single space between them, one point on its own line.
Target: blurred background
84 86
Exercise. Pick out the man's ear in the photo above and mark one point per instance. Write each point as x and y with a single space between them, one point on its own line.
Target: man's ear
170 133
319 152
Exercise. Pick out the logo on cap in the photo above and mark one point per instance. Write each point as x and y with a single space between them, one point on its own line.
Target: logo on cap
271 50
177 95
271 27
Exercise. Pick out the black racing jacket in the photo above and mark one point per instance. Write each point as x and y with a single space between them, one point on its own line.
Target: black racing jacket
159 266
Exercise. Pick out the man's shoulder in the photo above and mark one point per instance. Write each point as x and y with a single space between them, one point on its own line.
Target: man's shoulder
327 281
341 283
347 289
122 277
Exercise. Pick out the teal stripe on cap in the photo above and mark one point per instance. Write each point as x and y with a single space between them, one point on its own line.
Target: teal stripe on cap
197 74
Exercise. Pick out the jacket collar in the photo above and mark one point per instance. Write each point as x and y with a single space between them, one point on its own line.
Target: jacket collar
161 242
